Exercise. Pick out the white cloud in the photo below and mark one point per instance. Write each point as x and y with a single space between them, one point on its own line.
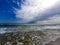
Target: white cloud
52 20
32 8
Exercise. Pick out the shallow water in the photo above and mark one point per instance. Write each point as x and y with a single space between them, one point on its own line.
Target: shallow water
51 33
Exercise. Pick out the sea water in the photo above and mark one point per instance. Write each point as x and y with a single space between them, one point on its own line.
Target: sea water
52 32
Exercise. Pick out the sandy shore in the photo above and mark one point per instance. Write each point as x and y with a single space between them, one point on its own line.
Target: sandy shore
56 42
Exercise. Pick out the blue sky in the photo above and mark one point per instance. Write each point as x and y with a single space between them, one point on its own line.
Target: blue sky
29 11
6 11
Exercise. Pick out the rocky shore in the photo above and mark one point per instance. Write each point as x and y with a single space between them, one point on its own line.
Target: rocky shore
22 38
29 35
30 38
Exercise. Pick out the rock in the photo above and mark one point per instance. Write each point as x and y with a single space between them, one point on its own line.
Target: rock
22 38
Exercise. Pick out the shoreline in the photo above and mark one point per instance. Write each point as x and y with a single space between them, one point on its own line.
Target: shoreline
49 35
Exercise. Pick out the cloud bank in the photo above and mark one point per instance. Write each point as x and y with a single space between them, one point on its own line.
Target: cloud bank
51 20
30 9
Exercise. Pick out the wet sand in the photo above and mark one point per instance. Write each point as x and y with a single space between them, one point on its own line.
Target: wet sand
56 42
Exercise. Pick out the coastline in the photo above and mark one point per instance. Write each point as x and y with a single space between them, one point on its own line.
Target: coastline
51 34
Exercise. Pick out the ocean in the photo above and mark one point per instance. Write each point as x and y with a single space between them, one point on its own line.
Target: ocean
52 32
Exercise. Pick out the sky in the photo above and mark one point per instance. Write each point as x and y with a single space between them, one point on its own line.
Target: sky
30 11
